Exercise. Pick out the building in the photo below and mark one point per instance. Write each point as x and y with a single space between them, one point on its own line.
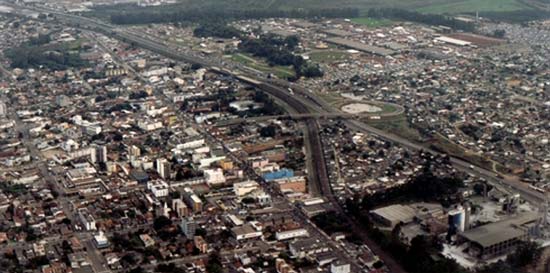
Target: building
179 207
147 240
192 200
457 219
99 154
3 109
246 187
62 100
283 267
291 234
340 267
392 215
380 51
134 151
245 232
163 168
499 238
200 244
292 184
214 176
279 174
101 240
305 247
86 219
159 188
188 227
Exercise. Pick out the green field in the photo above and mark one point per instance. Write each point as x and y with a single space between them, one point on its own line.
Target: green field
474 5
435 6
327 56
282 72
371 22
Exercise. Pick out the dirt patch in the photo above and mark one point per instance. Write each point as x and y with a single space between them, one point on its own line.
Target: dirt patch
476 39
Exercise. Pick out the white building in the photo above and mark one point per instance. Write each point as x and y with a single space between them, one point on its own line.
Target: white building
246 187
3 109
159 188
86 219
163 168
339 267
214 176
101 240
291 234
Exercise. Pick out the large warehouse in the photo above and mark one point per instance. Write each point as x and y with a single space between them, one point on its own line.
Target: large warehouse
498 238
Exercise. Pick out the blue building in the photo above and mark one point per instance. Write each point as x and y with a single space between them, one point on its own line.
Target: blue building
282 173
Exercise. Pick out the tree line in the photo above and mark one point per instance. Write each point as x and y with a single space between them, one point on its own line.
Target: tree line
413 16
58 58
199 15
278 51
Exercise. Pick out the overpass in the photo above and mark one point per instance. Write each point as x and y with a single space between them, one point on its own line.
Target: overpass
305 116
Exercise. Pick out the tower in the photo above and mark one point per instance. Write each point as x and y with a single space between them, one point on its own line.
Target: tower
163 168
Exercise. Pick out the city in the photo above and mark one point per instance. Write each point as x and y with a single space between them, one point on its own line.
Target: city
271 143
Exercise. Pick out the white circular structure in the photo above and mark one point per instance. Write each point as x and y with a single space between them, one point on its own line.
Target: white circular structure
357 108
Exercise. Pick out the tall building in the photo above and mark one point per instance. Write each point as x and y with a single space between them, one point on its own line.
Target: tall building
163 168
192 200
457 218
188 226
3 109
180 208
99 155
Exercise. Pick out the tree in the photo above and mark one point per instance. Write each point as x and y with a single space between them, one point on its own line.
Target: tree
161 222
499 33
268 131
526 253
214 264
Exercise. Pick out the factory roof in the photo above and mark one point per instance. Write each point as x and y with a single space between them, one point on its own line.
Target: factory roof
494 233
396 213
360 46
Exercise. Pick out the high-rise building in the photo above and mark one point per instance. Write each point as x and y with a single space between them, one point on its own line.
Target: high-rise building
163 168
457 218
99 154
188 226
3 109
180 208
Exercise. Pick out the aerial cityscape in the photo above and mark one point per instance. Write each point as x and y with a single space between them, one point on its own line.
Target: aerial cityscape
274 136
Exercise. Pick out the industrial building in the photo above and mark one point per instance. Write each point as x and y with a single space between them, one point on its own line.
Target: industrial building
498 238
380 51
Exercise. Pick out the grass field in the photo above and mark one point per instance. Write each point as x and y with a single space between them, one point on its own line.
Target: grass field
474 5
371 22
282 72
398 126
